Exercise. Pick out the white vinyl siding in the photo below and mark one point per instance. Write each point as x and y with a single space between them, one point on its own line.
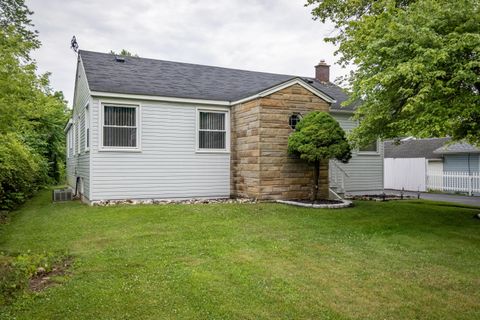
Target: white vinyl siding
78 164
365 169
168 166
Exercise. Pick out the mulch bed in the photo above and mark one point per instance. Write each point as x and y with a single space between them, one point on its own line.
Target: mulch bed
43 280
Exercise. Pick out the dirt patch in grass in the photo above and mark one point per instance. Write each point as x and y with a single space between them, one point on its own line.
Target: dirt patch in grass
44 279
3 217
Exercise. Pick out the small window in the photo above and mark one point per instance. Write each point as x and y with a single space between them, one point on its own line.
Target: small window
369 148
69 142
212 130
72 145
87 128
294 120
120 126
77 136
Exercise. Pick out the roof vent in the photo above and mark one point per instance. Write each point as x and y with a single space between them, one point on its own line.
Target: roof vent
119 59
309 80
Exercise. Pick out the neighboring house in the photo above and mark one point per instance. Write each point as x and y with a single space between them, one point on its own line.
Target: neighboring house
153 129
407 161
461 169
459 157
435 163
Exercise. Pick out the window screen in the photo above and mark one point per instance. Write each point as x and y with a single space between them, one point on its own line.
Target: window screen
120 127
87 128
212 133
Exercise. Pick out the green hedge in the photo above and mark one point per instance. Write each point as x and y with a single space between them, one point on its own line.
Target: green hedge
22 171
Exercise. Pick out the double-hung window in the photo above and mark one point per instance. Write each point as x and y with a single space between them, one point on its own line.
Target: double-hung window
120 127
213 129
77 135
69 142
87 128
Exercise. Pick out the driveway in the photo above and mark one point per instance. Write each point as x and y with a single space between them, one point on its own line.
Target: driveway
471 201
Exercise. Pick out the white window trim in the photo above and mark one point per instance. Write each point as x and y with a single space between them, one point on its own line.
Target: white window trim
226 111
79 135
68 142
371 153
86 127
74 139
138 116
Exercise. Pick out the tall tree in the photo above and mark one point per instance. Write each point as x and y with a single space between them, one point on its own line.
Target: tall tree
32 115
418 65
318 136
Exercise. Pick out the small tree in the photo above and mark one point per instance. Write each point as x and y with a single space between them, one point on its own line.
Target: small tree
125 53
318 136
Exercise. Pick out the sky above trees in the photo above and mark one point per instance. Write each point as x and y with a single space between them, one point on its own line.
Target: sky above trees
273 36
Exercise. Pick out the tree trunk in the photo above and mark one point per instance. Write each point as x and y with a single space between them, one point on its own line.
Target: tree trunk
316 174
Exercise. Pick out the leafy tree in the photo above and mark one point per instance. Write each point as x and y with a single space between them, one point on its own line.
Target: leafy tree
15 21
32 116
125 53
318 136
418 65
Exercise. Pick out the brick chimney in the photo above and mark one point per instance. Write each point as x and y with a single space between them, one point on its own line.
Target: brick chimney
322 71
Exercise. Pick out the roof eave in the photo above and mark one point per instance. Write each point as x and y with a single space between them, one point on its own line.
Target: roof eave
261 94
102 94
284 85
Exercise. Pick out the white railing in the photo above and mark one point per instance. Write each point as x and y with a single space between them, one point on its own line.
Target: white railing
454 181
337 177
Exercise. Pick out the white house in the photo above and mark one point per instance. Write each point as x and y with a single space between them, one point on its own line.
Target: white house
154 129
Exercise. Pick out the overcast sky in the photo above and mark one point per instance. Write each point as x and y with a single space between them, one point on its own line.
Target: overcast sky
262 35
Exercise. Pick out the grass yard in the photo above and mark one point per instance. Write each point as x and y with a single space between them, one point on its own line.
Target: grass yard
393 260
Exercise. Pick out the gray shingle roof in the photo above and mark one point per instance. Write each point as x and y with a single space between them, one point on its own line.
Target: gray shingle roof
459 147
416 148
185 80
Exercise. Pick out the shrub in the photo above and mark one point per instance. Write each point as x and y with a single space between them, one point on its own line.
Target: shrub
318 136
22 171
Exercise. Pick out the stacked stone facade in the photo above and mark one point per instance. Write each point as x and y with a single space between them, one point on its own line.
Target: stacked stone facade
261 166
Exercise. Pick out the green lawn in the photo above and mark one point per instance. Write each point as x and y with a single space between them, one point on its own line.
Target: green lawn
393 260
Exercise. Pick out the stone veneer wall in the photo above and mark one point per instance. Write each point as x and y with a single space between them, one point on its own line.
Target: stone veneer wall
245 165
261 166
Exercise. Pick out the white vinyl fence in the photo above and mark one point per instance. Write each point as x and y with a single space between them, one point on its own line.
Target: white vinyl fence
404 173
454 181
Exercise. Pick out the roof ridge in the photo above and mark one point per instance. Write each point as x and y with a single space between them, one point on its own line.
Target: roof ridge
196 64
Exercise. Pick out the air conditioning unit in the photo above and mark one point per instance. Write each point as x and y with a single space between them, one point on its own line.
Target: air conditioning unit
62 195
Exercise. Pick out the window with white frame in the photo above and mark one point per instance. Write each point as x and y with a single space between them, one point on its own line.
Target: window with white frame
371 147
120 126
77 135
86 123
74 135
69 142
212 130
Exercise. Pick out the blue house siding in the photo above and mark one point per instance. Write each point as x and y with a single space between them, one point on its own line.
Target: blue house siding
461 163
467 162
